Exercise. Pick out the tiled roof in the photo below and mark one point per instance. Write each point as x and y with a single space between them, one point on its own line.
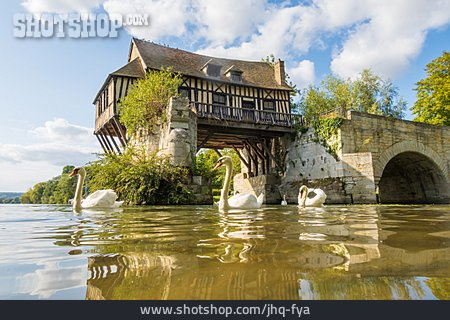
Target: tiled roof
131 69
254 73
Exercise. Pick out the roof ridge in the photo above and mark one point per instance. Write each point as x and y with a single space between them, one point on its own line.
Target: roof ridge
195 53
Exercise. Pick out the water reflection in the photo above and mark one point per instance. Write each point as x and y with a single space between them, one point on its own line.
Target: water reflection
355 252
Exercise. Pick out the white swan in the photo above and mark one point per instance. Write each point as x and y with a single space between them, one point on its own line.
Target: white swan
238 201
316 201
98 199
284 202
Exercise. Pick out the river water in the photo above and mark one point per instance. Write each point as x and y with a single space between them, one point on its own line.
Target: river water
188 252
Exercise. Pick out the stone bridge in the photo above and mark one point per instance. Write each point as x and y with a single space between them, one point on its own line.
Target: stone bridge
380 159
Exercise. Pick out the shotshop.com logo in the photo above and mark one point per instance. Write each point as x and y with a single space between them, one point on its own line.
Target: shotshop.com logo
74 25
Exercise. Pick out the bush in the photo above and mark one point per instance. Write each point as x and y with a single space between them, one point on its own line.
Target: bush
139 178
144 106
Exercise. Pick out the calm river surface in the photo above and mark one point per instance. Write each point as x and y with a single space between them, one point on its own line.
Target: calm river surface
338 252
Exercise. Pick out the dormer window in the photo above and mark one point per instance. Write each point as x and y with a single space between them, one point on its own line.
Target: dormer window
234 74
211 69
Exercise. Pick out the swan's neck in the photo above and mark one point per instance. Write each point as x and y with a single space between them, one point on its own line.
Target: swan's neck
226 186
78 192
304 195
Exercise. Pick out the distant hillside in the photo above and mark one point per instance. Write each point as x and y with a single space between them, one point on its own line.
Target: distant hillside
10 197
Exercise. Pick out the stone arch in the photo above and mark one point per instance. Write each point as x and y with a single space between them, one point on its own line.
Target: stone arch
410 172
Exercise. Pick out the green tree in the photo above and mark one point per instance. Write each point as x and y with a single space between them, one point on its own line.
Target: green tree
206 160
367 93
144 107
57 190
433 93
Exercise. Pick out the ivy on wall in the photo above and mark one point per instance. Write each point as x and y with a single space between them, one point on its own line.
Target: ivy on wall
326 130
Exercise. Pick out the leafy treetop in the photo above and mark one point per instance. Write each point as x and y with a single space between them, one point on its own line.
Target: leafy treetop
367 93
433 93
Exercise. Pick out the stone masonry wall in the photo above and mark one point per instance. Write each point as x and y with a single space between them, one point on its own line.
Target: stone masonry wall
177 139
367 144
308 163
386 137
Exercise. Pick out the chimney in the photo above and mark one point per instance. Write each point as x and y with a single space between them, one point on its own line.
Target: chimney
280 74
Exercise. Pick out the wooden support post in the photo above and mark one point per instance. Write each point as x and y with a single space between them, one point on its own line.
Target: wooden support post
109 150
218 152
101 143
247 149
122 132
106 140
253 156
259 153
273 158
242 158
118 134
204 141
267 156
114 141
255 161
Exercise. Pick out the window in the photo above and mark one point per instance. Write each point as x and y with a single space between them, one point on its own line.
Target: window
269 105
106 97
219 98
213 70
185 92
236 76
248 113
248 104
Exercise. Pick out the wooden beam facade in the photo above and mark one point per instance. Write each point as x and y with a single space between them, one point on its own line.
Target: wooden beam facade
230 115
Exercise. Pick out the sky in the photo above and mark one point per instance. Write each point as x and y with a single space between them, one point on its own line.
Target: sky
47 84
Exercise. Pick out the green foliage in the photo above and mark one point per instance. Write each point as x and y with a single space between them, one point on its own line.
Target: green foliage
55 191
206 160
9 197
144 107
433 93
270 59
140 178
327 129
368 93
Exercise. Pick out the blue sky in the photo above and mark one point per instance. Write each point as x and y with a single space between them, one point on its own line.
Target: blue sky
47 85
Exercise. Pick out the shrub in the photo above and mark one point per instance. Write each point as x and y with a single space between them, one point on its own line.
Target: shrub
144 106
140 178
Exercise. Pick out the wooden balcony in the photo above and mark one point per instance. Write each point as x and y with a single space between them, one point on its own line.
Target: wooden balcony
219 126
241 116
105 116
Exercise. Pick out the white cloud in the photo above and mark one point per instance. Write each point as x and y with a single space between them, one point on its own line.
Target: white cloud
58 6
62 131
383 35
58 143
166 17
225 21
51 153
271 38
303 74
391 38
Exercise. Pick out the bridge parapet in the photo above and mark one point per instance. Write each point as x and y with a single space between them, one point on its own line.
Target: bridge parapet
380 159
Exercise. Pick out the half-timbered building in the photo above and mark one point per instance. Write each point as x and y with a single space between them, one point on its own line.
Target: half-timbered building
239 104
